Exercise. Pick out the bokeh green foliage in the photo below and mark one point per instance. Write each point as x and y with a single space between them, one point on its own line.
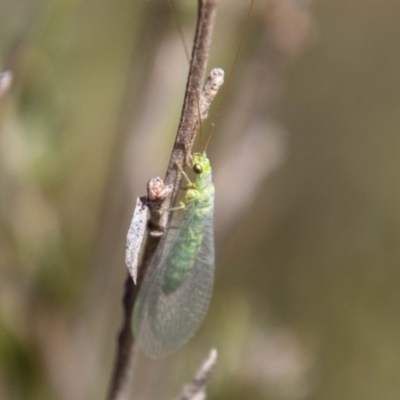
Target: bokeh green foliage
306 300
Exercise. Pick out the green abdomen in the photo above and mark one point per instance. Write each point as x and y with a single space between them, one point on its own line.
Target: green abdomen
183 257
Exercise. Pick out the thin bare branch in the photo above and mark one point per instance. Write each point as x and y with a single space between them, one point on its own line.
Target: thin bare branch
188 126
189 123
157 192
196 389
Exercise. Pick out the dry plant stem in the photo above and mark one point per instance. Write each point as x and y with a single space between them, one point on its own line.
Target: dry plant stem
196 388
188 126
189 123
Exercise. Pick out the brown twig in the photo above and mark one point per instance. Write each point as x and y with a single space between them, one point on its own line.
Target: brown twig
189 123
188 126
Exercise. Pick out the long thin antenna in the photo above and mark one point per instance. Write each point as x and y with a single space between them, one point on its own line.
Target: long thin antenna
186 49
228 83
180 30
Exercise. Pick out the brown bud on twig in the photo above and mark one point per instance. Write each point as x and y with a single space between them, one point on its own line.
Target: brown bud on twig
211 87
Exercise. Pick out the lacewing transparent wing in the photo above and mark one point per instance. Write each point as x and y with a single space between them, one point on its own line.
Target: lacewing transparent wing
176 293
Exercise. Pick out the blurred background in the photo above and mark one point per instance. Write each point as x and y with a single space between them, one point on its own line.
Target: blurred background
306 163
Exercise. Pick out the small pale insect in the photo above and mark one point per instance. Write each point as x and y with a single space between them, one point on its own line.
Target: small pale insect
176 293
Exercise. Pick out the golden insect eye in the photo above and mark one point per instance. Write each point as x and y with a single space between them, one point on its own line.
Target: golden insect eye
197 169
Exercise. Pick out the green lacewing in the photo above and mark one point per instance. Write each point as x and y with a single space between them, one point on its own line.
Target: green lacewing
176 292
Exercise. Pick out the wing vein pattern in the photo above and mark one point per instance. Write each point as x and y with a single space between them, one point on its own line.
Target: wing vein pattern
177 289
